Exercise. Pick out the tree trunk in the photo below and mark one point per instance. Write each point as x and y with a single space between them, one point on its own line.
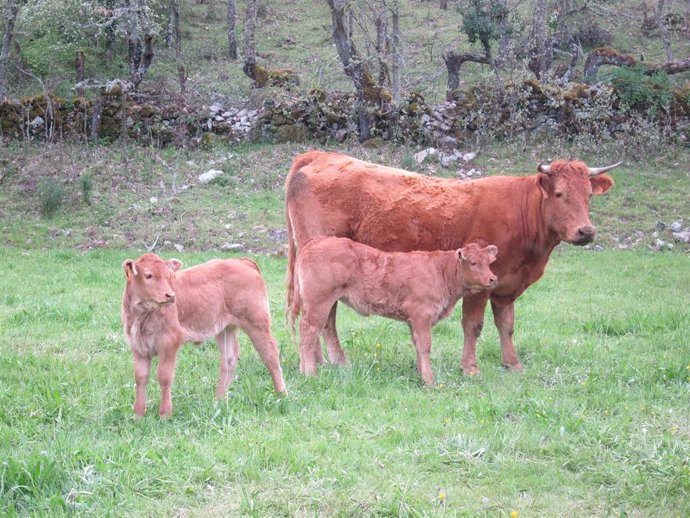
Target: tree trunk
9 17
444 5
397 58
232 31
454 62
140 52
663 30
540 52
79 66
110 30
609 56
250 38
173 15
381 23
177 35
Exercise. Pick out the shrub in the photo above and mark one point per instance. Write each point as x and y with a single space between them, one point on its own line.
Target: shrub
51 194
637 89
86 186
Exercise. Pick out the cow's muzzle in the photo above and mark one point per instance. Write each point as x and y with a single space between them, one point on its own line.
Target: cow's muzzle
169 298
584 235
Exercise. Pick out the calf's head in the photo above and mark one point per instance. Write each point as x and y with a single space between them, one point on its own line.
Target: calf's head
566 188
149 280
474 264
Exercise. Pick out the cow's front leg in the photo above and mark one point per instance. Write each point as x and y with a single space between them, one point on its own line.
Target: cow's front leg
336 355
229 350
142 367
504 318
421 336
166 375
472 322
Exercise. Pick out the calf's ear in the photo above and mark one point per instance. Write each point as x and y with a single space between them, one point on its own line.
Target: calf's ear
130 268
492 250
173 265
600 184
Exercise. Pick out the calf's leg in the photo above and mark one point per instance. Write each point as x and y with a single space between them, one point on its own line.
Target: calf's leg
472 322
166 374
229 350
310 326
504 318
142 367
421 336
267 347
336 354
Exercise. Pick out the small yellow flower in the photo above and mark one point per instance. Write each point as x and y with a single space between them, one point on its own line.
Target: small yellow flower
513 514
441 496
441 385
378 346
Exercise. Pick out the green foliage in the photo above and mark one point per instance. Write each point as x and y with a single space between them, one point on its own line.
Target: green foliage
636 89
484 21
51 194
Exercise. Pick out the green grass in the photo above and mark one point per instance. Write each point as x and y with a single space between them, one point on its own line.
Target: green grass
596 426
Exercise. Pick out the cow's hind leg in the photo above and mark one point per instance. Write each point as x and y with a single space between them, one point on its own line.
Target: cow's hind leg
166 375
472 322
504 318
142 367
421 336
336 354
267 347
229 349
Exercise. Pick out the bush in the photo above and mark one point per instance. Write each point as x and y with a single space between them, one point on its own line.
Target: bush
653 93
51 194
86 185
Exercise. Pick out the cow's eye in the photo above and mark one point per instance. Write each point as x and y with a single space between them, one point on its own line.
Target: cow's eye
474 263
558 194
148 276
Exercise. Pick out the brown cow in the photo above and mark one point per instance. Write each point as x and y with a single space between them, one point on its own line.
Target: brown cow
395 210
163 307
419 288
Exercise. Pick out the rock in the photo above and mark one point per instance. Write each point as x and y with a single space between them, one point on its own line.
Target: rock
232 247
209 175
214 108
38 121
421 156
291 133
683 236
660 226
179 247
676 226
448 143
468 156
448 159
373 143
153 200
279 234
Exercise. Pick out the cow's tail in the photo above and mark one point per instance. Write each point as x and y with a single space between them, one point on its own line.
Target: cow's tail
294 308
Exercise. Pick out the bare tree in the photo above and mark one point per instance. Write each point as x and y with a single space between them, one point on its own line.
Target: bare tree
663 30
9 17
250 39
232 31
177 37
541 54
139 46
397 52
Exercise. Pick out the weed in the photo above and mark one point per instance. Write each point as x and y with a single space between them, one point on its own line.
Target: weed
86 186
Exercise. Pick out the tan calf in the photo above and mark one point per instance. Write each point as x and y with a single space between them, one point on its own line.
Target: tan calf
419 288
163 307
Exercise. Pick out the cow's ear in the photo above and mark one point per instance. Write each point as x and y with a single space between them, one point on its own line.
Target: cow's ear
542 182
601 184
173 265
130 268
492 250
460 252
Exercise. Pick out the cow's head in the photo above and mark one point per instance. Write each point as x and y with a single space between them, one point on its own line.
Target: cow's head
474 264
567 187
149 278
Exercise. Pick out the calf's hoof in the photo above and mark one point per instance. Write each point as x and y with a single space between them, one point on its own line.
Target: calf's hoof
514 367
139 411
471 370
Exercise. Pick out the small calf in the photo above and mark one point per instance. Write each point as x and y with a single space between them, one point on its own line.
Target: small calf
419 288
163 307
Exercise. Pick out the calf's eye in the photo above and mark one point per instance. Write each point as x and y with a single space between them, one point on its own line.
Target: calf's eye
148 276
558 194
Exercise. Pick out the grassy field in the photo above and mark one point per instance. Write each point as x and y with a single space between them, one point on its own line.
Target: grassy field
598 424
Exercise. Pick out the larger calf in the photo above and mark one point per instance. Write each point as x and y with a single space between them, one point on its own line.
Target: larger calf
419 288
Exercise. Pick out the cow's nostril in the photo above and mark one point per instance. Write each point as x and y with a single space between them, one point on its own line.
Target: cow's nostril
586 231
170 295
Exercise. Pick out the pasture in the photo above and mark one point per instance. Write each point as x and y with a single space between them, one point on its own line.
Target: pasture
597 425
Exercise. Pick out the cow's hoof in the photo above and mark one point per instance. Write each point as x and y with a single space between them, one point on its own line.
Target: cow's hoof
514 367
472 370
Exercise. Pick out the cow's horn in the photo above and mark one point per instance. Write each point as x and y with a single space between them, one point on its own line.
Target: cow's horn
546 169
594 171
